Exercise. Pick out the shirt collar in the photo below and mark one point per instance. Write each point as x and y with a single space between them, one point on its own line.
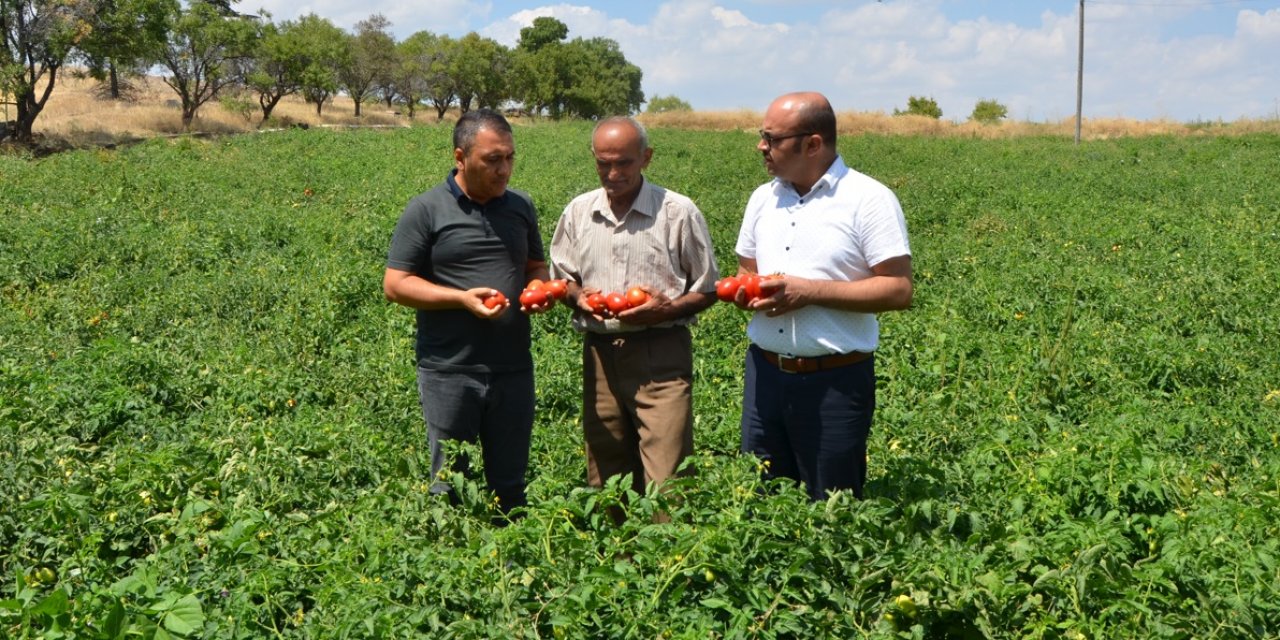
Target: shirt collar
452 181
646 202
830 178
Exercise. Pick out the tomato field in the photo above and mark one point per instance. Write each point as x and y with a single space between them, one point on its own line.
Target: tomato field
209 424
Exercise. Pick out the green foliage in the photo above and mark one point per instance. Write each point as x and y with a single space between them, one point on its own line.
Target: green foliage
36 39
481 72
372 61
588 78
239 105
663 104
545 31
209 425
921 106
323 50
989 112
203 54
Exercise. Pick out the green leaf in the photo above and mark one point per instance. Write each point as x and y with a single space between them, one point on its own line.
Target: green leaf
185 616
114 624
54 604
716 603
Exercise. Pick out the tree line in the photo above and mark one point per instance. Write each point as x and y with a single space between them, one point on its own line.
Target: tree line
206 50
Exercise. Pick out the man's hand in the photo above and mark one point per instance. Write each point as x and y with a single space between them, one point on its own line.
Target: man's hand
658 308
473 300
578 300
779 295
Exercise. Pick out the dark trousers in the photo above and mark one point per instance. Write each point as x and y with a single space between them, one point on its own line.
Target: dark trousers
810 427
495 409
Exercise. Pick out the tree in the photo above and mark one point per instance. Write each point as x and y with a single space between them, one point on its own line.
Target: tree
39 36
127 37
663 104
603 83
921 106
372 60
440 82
544 31
988 112
323 50
480 72
410 77
202 52
274 71
586 78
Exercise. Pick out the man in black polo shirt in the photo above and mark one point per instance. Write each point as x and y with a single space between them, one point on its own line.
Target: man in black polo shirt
454 247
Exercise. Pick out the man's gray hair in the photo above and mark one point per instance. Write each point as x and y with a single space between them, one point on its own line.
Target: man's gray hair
635 124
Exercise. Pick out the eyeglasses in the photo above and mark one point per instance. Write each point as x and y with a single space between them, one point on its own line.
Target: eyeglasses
769 138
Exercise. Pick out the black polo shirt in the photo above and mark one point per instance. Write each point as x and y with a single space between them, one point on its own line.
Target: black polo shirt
450 240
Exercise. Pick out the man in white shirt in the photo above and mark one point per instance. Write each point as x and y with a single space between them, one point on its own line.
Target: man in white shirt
835 242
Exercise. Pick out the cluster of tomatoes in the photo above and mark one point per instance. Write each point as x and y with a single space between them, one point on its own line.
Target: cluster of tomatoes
749 283
616 302
539 293
536 293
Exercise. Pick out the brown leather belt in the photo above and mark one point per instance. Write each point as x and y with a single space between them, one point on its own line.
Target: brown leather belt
791 364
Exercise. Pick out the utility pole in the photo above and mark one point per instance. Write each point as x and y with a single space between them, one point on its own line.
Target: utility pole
1080 75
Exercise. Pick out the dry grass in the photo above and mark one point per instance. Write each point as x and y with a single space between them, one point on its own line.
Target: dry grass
855 123
77 116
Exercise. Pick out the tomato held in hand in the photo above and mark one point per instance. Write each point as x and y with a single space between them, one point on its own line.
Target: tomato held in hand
557 288
751 282
534 285
727 288
616 302
636 297
597 303
496 300
533 298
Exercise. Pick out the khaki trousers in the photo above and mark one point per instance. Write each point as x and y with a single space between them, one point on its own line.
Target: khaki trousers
637 404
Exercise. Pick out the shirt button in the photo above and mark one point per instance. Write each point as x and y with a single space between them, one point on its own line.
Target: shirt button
779 330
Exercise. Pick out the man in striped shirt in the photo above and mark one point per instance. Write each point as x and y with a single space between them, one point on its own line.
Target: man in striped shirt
637 364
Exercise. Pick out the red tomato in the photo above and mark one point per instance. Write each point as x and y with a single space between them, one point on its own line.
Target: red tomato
533 297
751 282
496 300
557 288
727 288
616 302
597 302
636 296
534 285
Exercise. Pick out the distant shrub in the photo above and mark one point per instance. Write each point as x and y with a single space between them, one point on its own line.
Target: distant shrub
663 104
921 106
988 112
239 105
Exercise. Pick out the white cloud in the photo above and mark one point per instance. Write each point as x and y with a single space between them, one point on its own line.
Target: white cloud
873 55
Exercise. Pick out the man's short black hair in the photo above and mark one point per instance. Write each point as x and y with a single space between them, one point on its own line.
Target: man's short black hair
471 122
820 119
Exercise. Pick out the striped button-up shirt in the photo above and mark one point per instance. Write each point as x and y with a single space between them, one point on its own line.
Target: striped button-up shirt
662 242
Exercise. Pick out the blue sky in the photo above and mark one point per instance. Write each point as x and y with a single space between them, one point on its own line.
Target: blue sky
1184 60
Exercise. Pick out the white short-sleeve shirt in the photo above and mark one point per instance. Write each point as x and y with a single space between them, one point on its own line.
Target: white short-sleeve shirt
845 225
